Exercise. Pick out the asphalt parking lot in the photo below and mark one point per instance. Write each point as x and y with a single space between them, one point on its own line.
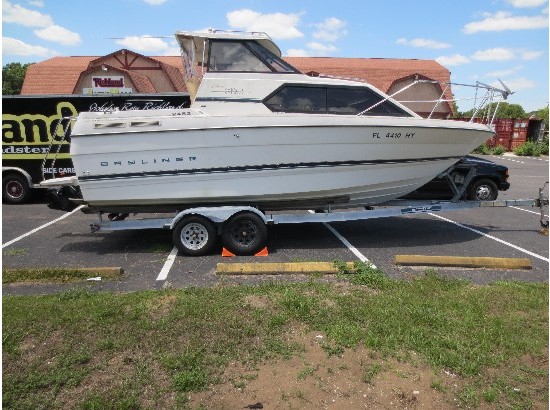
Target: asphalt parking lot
149 261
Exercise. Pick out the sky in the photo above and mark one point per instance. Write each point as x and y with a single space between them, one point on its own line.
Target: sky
477 40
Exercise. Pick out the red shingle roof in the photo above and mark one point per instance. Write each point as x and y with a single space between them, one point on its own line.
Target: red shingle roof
380 72
59 75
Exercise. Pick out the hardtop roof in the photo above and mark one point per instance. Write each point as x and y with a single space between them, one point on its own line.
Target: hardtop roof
199 37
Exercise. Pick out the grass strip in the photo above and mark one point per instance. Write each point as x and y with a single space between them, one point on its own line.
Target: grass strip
56 275
152 349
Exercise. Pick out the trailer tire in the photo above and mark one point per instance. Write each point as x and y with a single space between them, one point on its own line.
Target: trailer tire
483 190
15 189
244 234
195 235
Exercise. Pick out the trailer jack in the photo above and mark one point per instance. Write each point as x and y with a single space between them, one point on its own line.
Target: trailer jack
541 203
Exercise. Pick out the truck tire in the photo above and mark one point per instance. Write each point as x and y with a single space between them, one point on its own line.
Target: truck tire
244 234
15 189
483 190
195 235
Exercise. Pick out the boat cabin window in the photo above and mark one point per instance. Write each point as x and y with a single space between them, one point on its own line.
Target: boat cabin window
331 100
245 56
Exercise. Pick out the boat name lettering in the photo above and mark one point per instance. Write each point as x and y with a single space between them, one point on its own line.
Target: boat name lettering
181 113
395 135
146 161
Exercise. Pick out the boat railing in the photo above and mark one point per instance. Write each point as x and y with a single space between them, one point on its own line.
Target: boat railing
485 96
483 101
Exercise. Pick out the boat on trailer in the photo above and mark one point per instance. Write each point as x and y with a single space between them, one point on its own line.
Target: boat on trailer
260 133
259 136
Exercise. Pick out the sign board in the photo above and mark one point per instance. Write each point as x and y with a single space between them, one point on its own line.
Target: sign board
107 85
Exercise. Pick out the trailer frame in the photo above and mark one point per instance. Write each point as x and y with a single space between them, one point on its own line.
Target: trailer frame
243 229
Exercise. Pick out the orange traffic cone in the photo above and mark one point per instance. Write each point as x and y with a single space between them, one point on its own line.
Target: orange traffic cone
226 253
263 252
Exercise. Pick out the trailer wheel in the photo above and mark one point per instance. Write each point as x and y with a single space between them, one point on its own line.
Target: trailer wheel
483 190
15 189
244 234
195 235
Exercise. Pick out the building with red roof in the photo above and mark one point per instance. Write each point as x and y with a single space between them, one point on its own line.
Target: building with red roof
125 71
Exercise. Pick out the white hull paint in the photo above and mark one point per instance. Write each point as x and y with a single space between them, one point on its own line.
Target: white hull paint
346 161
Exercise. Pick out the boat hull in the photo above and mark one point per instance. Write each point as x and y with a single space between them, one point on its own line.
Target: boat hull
286 162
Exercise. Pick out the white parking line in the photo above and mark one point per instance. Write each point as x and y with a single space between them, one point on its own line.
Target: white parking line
493 238
168 264
509 158
527 210
40 227
352 248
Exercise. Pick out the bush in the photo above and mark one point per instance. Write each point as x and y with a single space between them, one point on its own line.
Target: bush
499 150
483 150
486 150
544 146
528 149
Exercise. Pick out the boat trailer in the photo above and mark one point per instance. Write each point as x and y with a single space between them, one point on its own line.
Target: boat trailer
243 229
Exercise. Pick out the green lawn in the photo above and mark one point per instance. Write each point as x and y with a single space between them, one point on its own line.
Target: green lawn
102 350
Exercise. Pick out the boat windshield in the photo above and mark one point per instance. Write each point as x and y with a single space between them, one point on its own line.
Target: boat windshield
332 100
245 56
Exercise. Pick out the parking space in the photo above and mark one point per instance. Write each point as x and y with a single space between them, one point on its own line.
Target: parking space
146 255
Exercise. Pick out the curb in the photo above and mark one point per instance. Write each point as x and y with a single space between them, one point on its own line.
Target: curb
278 268
463 261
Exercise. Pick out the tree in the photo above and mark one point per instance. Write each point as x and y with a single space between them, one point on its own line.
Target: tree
13 75
505 110
543 115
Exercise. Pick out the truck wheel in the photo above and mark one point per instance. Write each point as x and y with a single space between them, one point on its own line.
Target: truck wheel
244 234
483 190
15 189
195 235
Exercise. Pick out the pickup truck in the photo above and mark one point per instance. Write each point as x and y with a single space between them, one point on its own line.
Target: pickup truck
489 178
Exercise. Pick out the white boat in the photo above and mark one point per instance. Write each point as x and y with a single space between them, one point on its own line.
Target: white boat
262 134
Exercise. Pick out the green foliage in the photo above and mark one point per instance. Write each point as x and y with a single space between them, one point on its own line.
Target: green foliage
190 372
543 115
13 75
364 274
529 149
49 275
499 150
486 150
544 146
505 110
483 150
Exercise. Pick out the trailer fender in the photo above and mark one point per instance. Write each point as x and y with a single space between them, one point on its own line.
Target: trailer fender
218 214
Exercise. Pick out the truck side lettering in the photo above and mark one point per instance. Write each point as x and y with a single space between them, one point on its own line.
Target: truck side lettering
35 128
